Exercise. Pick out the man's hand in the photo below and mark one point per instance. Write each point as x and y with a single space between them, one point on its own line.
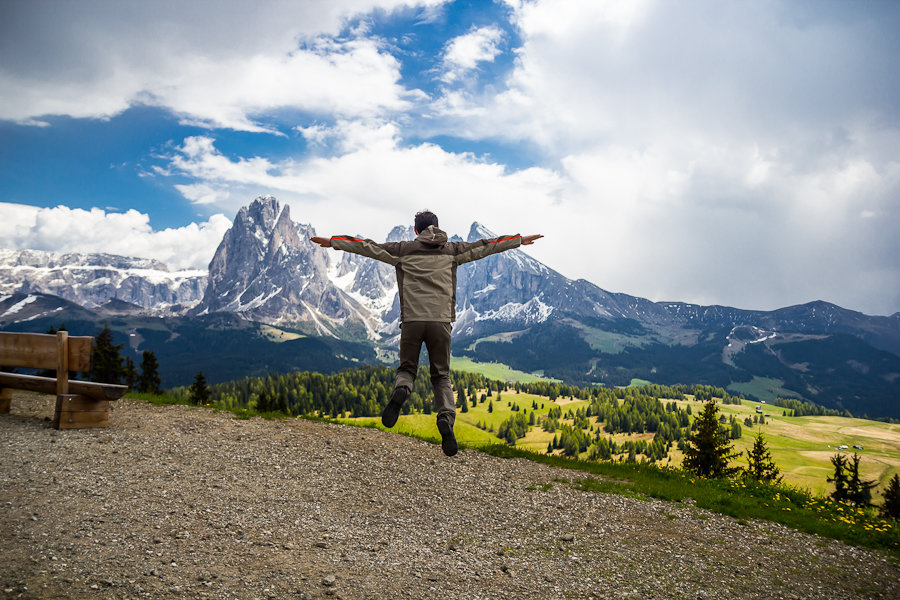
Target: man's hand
527 240
324 242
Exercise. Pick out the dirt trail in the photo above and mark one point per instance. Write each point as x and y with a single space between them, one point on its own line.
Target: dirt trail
182 502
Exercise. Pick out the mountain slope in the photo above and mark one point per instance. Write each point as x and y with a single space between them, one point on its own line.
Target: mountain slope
266 269
93 279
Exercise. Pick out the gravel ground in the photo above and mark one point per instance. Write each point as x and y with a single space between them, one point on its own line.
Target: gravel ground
182 502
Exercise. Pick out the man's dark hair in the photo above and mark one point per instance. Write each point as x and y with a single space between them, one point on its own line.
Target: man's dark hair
424 219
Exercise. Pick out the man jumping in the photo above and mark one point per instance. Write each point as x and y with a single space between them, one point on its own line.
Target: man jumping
426 279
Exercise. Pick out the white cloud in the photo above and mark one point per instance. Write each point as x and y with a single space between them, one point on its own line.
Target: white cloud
463 53
737 154
723 155
375 183
63 229
95 60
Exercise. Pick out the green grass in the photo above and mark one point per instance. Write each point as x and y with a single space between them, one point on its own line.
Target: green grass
423 427
764 388
493 370
639 382
611 343
802 447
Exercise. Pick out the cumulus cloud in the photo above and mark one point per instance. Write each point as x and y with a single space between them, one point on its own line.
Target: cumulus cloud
95 60
63 229
375 182
735 154
463 53
727 156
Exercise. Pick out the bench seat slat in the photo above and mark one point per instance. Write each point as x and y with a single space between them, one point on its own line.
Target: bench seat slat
47 385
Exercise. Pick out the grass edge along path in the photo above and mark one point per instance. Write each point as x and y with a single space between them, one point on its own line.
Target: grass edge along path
739 498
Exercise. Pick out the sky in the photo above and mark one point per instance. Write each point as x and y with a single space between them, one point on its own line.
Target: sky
707 151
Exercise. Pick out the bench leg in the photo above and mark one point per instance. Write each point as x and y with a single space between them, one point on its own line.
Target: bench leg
77 412
5 400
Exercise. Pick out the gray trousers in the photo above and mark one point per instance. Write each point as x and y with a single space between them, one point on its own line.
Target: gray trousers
436 337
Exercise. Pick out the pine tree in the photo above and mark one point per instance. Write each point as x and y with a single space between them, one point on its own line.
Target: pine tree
890 509
839 478
107 360
859 491
761 467
709 450
198 393
130 373
149 381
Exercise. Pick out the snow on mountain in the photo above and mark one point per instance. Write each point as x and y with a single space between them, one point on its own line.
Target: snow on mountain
91 280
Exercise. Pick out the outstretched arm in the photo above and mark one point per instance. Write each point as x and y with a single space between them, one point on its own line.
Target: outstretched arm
358 246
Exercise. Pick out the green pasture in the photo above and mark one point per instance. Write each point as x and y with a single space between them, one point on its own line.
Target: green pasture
802 447
423 427
635 382
467 428
764 388
493 370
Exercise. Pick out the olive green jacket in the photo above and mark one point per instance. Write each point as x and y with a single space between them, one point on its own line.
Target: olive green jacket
426 268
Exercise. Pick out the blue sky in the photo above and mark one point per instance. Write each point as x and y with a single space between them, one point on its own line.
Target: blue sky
738 153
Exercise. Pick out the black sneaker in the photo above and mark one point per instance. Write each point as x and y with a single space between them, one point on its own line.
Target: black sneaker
448 440
392 410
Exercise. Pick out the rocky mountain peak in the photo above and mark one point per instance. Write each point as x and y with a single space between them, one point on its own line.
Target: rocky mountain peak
479 232
267 269
401 234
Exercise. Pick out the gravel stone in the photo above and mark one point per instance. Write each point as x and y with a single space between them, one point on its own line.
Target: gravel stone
180 501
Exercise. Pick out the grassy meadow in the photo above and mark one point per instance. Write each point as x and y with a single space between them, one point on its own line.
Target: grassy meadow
497 371
802 447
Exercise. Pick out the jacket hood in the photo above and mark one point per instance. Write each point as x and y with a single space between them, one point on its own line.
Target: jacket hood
432 237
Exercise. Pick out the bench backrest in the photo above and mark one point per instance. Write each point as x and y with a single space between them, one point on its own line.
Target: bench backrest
61 352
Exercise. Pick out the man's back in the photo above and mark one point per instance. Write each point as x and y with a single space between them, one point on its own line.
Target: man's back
426 268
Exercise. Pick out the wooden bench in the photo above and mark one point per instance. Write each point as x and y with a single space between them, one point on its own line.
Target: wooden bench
78 403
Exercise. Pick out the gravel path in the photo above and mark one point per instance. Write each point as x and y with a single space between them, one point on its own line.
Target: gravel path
182 502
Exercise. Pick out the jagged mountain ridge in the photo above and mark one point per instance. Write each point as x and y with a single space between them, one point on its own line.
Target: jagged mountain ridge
514 309
91 280
266 269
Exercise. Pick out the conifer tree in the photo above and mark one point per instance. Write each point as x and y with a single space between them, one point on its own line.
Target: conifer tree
198 393
107 359
149 381
709 450
130 373
859 491
761 467
839 478
890 509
